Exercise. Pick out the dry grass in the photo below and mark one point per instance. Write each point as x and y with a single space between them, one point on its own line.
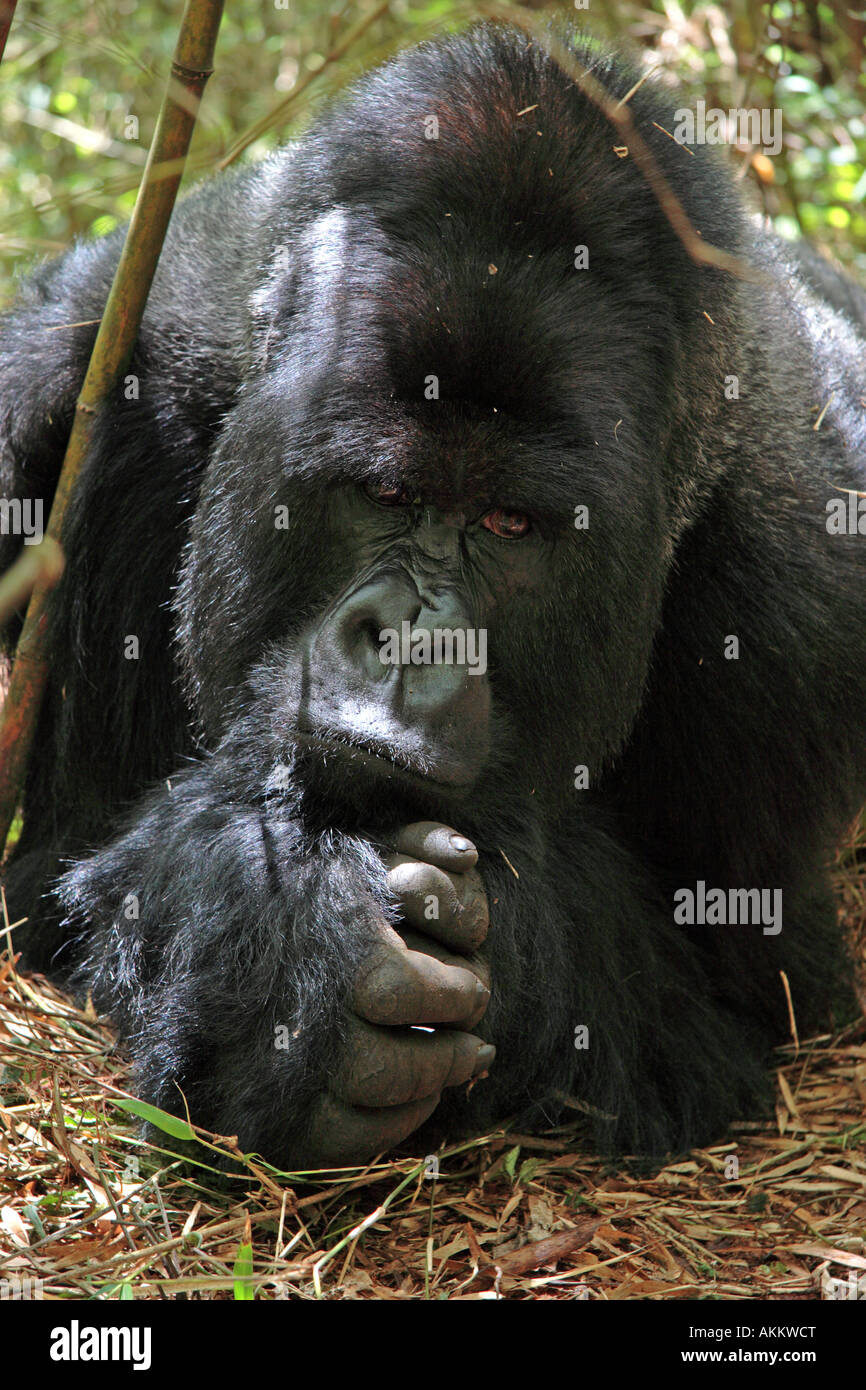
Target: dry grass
90 1210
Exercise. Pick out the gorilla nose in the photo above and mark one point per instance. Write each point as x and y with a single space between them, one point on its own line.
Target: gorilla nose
421 649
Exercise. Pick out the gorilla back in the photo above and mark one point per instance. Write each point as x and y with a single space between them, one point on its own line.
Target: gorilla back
513 570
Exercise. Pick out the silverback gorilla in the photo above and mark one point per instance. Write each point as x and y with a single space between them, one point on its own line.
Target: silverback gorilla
459 675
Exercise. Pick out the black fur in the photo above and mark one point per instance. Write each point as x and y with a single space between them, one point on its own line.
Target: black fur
298 308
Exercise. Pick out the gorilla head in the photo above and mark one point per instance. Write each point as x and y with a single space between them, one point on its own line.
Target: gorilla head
468 406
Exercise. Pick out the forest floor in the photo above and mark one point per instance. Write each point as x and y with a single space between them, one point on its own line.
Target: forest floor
89 1210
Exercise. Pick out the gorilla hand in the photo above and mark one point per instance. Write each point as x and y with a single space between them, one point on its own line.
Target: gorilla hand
429 974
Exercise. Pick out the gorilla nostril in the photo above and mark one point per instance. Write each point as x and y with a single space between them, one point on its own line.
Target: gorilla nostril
360 643
368 621
370 632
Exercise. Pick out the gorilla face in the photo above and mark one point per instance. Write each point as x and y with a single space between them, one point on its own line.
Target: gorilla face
428 491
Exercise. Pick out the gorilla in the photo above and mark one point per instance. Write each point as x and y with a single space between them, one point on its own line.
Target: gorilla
459 674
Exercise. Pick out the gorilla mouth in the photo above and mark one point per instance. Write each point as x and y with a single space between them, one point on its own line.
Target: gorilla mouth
364 751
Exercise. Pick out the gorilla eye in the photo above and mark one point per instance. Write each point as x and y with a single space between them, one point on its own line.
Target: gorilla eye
388 494
511 526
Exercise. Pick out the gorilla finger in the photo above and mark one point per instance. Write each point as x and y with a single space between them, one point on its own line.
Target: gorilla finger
437 844
426 893
343 1135
477 963
454 910
390 1067
405 987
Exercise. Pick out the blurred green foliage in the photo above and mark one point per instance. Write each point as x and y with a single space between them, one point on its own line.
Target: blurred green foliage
81 83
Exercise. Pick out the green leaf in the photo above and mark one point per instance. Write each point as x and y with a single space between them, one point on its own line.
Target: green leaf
509 1162
528 1170
169 1124
120 1290
33 1217
243 1274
